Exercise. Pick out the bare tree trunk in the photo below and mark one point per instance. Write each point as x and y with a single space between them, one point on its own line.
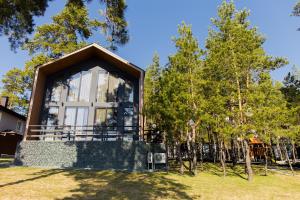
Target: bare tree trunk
266 159
279 150
181 170
248 162
288 159
201 151
222 158
214 147
293 152
194 150
238 151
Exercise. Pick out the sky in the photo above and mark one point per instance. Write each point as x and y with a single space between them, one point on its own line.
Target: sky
152 24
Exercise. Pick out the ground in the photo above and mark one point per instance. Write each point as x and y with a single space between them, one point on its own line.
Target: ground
65 184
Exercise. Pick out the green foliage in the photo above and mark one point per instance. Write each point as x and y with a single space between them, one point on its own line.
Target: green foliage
152 91
15 88
16 20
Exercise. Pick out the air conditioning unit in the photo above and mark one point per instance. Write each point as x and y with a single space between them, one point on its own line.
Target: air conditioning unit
160 158
150 157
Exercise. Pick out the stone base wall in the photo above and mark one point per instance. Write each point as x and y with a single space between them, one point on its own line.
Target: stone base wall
119 155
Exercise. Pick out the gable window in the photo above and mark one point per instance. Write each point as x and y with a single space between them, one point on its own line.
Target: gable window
113 88
79 87
55 93
128 93
128 119
52 118
106 117
76 117
102 86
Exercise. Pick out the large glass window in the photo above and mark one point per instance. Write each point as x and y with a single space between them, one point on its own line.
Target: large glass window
128 119
106 117
102 86
74 84
79 87
85 86
128 96
113 88
76 117
52 118
55 93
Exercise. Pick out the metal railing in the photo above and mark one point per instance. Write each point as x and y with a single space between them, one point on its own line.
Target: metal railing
83 133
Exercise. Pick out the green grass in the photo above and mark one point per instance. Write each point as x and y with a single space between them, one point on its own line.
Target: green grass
37 183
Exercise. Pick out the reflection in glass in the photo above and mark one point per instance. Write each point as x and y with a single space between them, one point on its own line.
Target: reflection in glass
82 117
70 117
128 92
100 116
74 83
55 93
106 117
85 86
128 119
52 118
113 88
102 86
111 118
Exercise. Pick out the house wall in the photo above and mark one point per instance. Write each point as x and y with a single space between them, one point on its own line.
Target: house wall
9 122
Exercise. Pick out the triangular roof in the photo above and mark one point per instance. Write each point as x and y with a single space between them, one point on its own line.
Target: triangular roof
88 52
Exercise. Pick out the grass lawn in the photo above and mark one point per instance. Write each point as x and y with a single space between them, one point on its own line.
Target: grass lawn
37 183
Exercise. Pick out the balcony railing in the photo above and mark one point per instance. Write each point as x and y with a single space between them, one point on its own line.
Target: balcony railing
83 133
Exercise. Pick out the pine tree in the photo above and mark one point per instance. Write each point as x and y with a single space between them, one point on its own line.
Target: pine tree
234 55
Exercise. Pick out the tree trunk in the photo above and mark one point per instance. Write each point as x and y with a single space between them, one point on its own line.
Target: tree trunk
293 152
201 152
248 162
279 150
288 159
266 159
181 170
222 158
194 150
214 148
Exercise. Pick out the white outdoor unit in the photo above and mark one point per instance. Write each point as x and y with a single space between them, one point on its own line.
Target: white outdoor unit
150 157
160 158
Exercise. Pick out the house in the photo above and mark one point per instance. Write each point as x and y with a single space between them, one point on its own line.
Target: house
12 127
85 111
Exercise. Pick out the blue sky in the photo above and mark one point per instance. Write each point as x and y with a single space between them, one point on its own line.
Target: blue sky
153 23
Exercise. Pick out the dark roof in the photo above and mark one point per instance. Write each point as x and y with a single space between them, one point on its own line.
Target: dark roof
85 53
2 108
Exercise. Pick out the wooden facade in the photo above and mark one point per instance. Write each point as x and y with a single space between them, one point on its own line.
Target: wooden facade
90 94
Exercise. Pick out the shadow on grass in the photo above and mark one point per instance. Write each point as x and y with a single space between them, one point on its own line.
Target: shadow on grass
124 185
39 175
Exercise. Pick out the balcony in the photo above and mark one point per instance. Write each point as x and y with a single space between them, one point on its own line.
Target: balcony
84 133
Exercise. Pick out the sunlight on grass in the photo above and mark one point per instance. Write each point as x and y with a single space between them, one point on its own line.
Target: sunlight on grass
37 183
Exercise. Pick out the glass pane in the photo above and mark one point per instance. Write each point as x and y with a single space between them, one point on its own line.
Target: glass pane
74 83
111 118
100 117
102 86
82 117
85 86
113 88
128 92
55 93
128 119
70 116
52 118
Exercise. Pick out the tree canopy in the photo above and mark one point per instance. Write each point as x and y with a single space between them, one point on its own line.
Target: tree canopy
17 19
